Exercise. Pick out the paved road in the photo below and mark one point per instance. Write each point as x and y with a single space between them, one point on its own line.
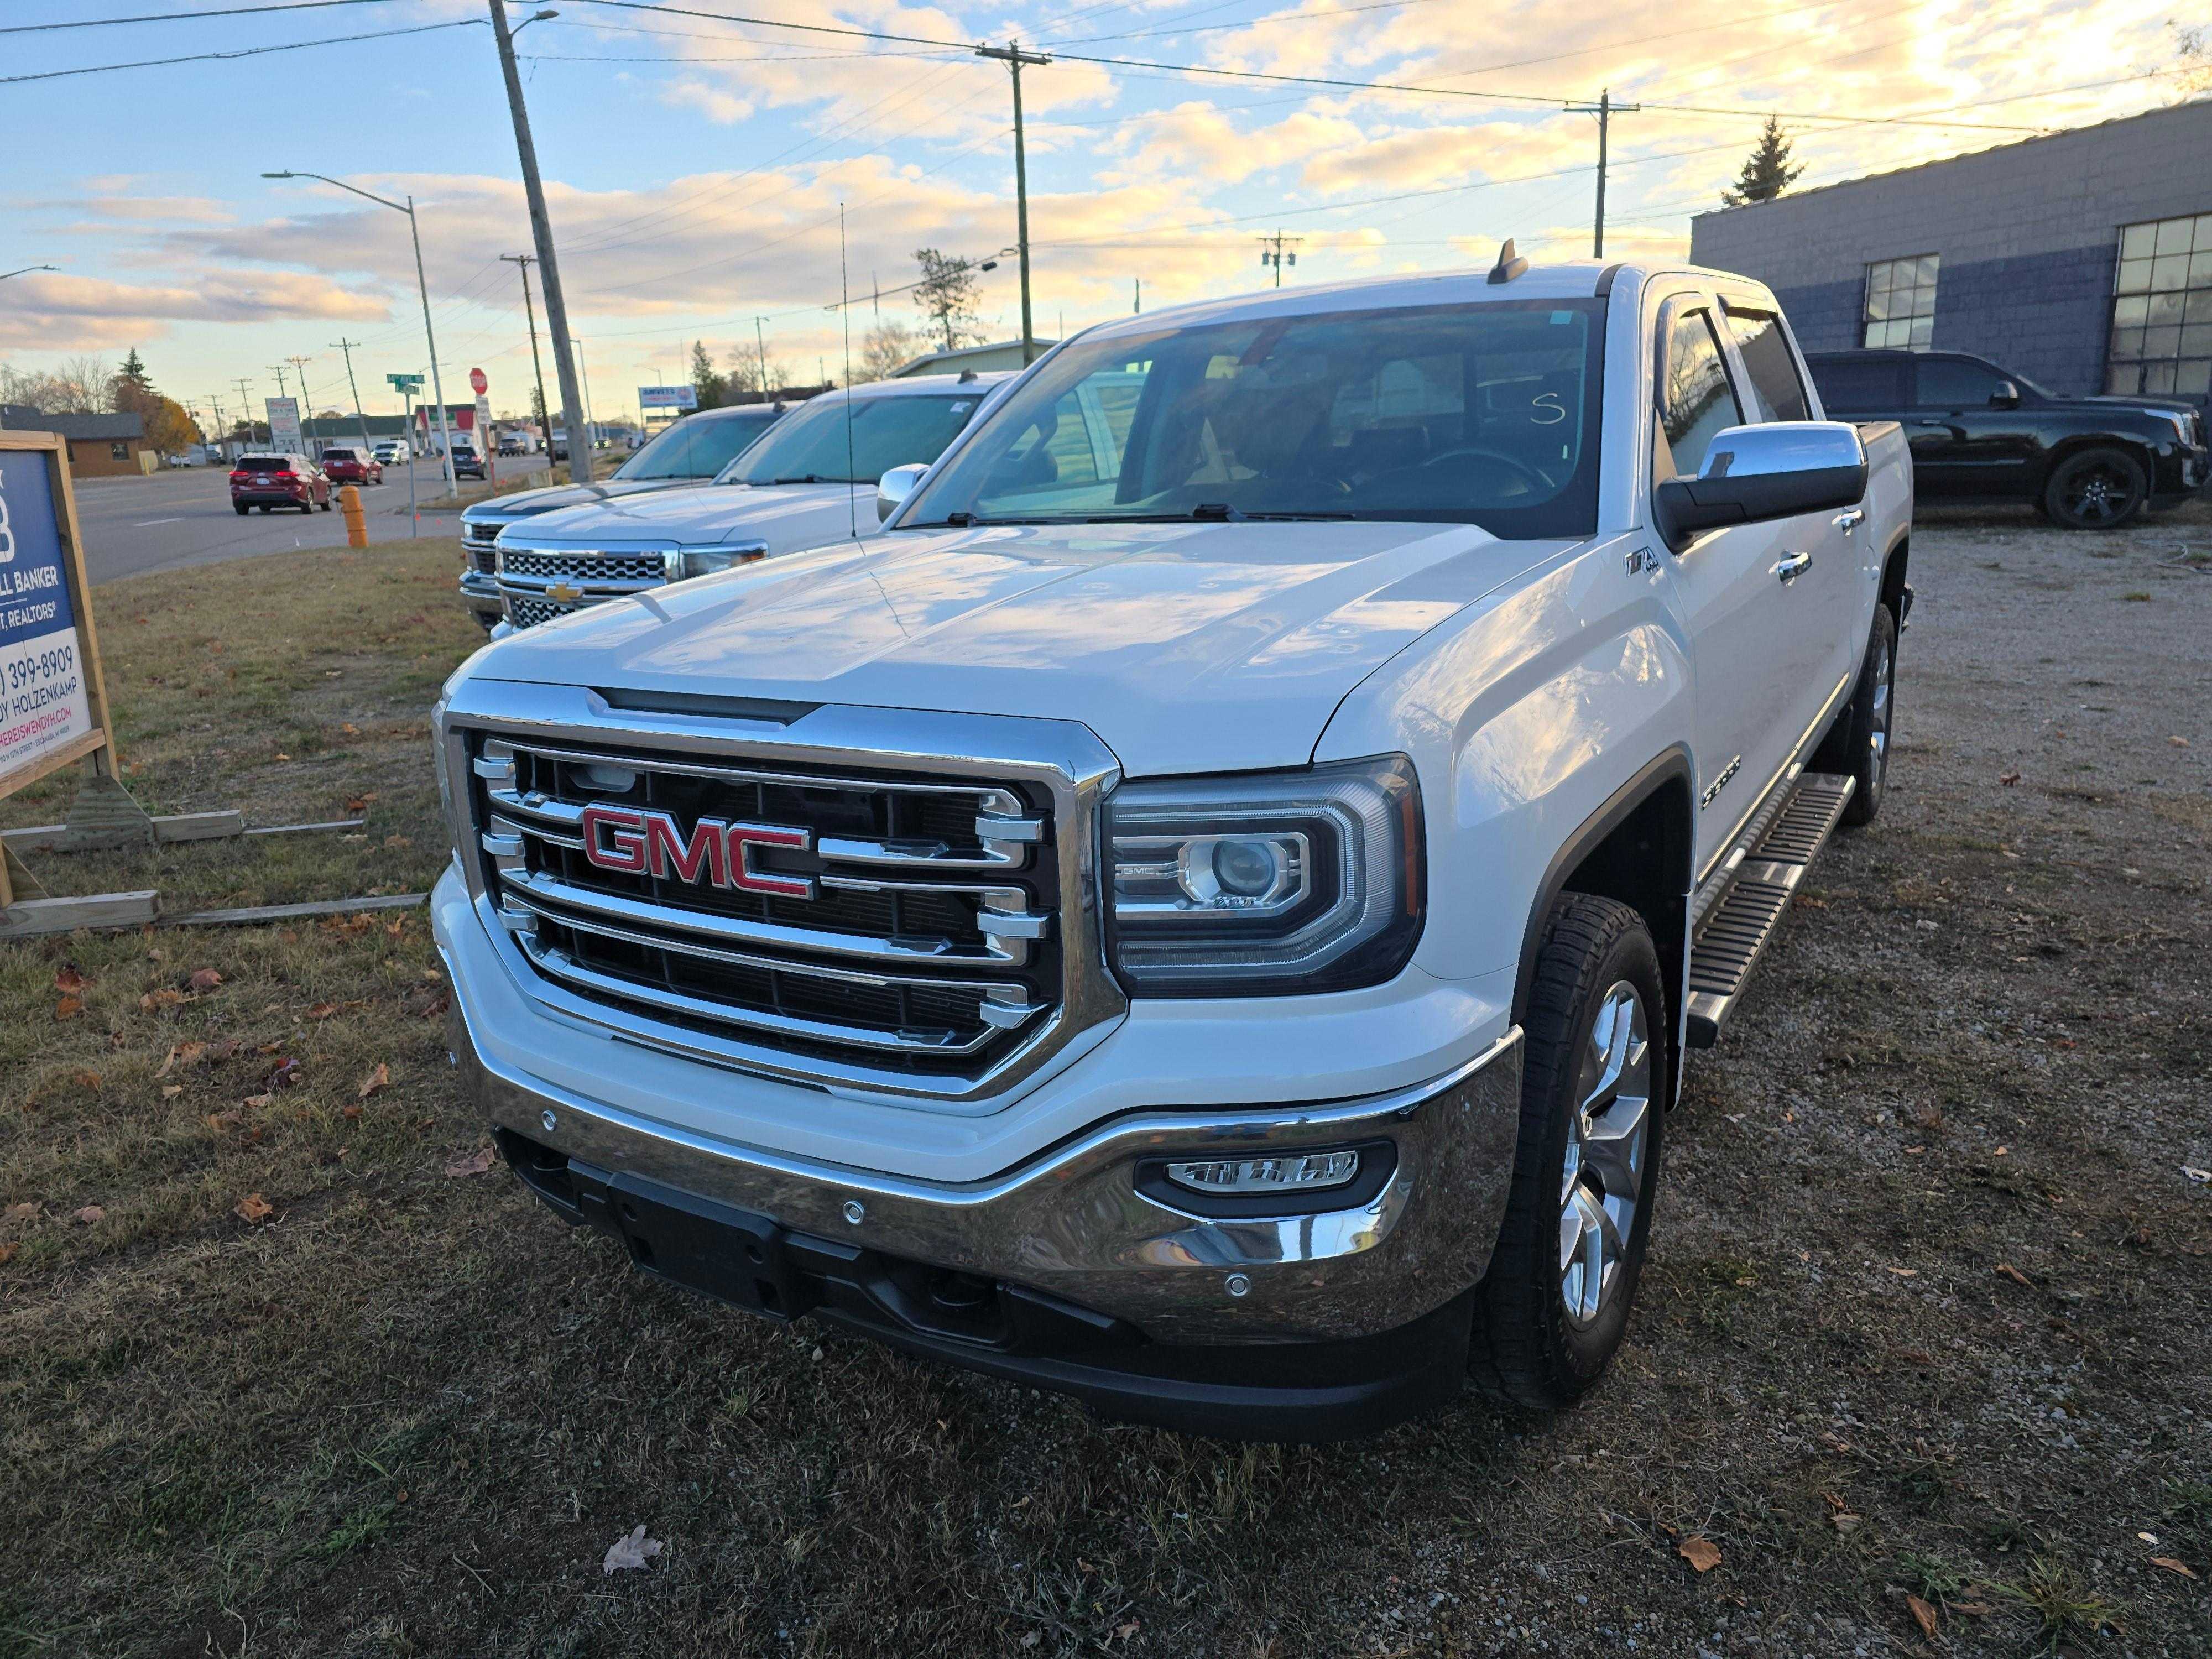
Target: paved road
183 516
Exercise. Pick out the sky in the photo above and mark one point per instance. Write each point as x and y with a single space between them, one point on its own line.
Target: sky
695 168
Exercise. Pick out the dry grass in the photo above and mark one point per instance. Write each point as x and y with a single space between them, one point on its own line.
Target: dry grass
406 1413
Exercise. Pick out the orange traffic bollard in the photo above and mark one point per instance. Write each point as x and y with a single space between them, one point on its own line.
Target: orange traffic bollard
355 520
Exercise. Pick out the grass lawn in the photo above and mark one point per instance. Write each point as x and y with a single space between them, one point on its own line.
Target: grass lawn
1923 1336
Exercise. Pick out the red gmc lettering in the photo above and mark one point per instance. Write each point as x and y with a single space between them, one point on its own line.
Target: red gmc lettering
744 838
624 847
669 856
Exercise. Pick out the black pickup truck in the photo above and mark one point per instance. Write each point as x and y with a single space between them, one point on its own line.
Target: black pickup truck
1982 432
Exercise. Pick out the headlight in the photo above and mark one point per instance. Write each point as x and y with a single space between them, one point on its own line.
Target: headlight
2183 429
1266 884
705 561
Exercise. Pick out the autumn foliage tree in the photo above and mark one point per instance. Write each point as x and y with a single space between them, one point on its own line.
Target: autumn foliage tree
169 429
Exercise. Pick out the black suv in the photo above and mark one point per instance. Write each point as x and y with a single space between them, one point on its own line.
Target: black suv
1979 431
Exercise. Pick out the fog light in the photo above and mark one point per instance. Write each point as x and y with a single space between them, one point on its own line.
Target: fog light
1249 1177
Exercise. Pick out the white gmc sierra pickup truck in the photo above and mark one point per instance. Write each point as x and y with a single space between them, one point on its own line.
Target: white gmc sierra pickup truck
1206 911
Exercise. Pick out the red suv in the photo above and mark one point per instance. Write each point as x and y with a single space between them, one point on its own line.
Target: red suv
351 467
268 480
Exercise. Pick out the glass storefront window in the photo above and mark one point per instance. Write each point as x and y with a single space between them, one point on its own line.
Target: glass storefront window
2161 337
1901 302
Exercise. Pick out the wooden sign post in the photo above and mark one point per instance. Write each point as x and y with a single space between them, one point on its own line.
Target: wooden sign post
53 702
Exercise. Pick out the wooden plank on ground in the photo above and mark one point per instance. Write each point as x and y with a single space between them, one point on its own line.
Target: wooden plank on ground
29 917
255 914
302 829
182 826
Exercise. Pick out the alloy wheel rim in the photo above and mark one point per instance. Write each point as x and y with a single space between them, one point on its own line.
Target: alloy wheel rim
2099 493
1878 738
1609 1137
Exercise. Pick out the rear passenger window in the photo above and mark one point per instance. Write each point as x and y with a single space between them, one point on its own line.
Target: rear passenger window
1695 402
1775 386
1859 386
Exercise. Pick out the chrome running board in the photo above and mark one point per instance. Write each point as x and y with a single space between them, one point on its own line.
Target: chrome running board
1736 917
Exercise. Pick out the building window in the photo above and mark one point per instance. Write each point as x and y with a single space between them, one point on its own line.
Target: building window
2162 309
1901 302
120 452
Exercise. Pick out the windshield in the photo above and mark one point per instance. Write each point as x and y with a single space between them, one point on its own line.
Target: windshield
693 448
811 447
1481 414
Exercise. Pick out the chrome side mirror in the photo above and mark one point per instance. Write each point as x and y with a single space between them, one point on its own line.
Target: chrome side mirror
2007 396
1752 473
894 487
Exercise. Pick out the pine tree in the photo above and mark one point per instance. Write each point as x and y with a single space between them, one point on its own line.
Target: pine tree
1767 171
134 372
706 379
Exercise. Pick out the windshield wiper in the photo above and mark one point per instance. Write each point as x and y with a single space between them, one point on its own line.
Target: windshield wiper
810 477
1219 513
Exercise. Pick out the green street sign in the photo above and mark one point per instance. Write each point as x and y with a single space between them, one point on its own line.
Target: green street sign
405 382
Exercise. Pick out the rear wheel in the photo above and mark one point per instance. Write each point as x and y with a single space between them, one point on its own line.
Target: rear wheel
2095 489
1857 745
1554 1307
239 507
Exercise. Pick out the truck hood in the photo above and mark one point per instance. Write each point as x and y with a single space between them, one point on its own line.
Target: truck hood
551 498
1185 647
787 517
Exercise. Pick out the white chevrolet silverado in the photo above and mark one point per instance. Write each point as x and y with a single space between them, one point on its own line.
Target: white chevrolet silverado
1206 911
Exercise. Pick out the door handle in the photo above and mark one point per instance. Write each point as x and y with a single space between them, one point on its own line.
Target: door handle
1790 566
1851 519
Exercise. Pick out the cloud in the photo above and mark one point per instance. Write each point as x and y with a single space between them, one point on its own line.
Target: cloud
76 314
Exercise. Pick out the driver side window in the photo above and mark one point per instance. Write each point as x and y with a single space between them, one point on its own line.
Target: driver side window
1696 402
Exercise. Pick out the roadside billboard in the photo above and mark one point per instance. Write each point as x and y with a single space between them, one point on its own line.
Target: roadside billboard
284 426
668 397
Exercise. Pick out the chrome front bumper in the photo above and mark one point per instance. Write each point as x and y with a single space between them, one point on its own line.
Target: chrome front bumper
1072 1223
480 592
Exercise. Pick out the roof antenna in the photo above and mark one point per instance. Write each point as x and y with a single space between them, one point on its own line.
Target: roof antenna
966 375
845 318
1509 265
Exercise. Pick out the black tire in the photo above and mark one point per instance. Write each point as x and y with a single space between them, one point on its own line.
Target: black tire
2095 489
239 507
1858 744
326 503
1528 1348
265 507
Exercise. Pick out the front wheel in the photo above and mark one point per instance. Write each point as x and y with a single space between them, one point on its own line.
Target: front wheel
2096 489
1553 1308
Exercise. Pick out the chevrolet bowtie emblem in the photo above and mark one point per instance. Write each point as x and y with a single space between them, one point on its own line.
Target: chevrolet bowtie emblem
566 593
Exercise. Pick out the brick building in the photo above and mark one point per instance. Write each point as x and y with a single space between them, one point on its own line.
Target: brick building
100 446
2082 260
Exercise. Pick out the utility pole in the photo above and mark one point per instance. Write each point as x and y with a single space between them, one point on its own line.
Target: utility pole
1605 109
246 408
522 262
282 391
1136 295
584 372
306 403
1013 58
1271 253
760 345
347 346
541 228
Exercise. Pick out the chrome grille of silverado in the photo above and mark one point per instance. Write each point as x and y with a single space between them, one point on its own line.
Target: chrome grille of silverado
584 567
928 947
539 584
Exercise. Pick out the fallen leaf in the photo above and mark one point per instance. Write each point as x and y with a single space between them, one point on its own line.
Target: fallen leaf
476 1164
2006 1270
14 1212
396 927
7 1253
2172 1565
1906 1273
322 1011
631 1551
253 1207
378 1078
69 981
1845 1520
2008 778
171 1091
286 1074
350 729
69 1008
2178 742
282 755
89 1214
1700 1553
163 998
352 1113
229 1118
88 1080
256 1101
1976 1609
203 980
1922 1615
399 840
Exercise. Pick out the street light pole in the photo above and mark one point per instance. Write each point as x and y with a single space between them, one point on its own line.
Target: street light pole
1013 58
422 286
541 229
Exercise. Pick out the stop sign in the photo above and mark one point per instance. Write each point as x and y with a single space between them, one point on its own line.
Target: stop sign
478 382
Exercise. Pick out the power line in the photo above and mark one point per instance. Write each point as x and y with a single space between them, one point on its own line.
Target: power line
242 51
184 16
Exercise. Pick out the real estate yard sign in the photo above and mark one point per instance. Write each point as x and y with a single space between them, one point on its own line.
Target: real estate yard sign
53 706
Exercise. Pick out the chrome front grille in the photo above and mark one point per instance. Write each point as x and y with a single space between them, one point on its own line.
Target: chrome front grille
928 954
539 584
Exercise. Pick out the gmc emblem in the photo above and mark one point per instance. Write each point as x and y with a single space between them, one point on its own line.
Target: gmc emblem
640 843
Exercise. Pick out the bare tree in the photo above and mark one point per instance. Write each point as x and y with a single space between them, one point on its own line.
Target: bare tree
2193 47
946 295
888 347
